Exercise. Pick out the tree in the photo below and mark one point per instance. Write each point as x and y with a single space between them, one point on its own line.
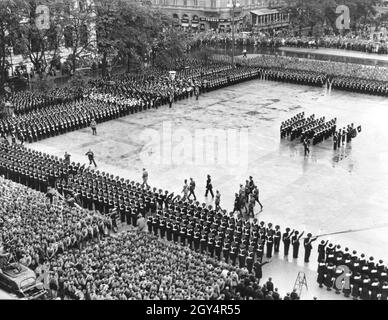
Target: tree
78 24
37 39
141 31
108 24
314 14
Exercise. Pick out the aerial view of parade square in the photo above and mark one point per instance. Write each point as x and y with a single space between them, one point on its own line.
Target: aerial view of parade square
202 150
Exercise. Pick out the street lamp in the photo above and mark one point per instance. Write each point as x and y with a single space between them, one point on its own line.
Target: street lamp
233 4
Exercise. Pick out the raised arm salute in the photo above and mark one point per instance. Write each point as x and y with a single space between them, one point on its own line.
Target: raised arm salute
307 246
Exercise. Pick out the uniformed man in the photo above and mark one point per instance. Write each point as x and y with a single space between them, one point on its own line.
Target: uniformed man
90 155
295 241
321 273
277 238
308 247
287 240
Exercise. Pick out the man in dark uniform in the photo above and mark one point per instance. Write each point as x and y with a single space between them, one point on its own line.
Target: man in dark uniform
175 231
307 246
321 273
269 243
233 253
210 244
209 186
226 250
203 241
169 229
182 233
277 238
114 216
241 256
155 224
295 241
322 250
287 240
191 189
306 147
217 247
197 237
171 98
250 258
162 226
149 224
190 235
90 155
258 269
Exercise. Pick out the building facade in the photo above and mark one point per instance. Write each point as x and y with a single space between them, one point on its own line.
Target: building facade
201 15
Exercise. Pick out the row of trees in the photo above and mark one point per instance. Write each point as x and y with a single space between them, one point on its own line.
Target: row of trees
99 30
317 15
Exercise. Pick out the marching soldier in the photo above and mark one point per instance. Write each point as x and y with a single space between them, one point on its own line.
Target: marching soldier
321 251
233 253
277 238
203 241
295 241
210 244
226 250
197 239
217 247
308 247
169 227
321 273
249 259
269 242
242 256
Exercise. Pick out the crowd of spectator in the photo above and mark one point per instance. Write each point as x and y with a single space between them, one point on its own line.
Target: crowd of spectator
351 41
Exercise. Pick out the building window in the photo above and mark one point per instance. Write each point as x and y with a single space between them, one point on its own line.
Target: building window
213 3
195 3
185 3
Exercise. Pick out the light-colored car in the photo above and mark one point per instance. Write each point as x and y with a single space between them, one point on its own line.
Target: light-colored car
19 281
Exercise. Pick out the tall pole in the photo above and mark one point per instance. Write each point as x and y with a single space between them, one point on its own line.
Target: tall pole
233 39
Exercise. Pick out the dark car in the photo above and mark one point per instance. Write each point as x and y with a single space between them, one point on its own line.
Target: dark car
16 279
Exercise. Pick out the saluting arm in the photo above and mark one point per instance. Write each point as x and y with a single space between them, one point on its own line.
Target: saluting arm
265 262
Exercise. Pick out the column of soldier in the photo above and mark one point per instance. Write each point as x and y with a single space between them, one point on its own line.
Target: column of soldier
316 130
351 274
345 135
350 77
60 111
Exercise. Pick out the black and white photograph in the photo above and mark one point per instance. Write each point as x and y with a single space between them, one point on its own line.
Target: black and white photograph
221 151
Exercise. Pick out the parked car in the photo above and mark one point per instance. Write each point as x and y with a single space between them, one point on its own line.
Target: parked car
20 281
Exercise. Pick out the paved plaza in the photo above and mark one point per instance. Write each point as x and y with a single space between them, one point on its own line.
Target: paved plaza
329 191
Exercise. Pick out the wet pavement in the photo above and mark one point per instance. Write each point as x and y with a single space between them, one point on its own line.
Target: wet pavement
329 191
